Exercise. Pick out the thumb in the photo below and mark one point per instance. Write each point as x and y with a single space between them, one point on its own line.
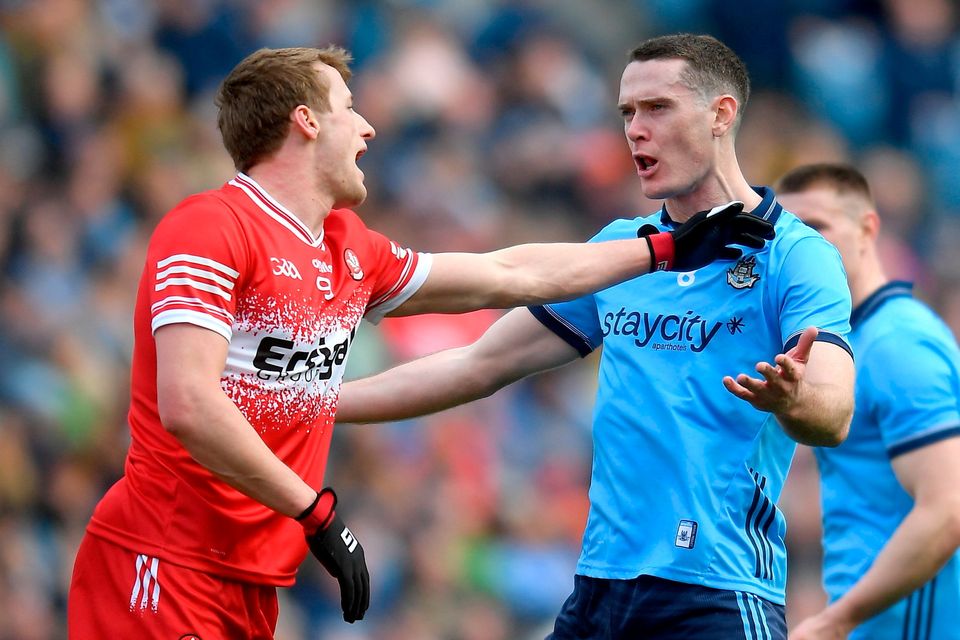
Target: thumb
801 352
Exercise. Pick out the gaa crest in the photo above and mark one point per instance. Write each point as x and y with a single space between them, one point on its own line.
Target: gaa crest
741 275
353 264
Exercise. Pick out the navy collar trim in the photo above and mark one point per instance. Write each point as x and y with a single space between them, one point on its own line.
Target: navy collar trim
893 289
768 209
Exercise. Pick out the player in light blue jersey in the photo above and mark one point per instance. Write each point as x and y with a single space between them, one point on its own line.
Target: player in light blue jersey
891 503
684 539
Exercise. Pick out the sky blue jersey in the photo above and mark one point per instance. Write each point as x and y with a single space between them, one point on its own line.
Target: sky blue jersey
908 385
685 474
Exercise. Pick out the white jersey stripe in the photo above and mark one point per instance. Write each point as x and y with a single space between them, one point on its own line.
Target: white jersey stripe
279 208
376 314
207 262
193 283
200 273
135 592
186 316
155 596
191 302
396 285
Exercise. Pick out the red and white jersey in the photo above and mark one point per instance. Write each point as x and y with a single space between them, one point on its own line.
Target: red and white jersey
236 262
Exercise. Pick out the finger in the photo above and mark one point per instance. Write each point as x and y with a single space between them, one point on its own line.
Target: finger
790 368
750 240
365 591
729 253
802 351
747 223
771 373
647 230
726 212
347 597
737 389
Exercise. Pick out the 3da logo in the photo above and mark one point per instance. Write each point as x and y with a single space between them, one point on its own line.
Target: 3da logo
283 267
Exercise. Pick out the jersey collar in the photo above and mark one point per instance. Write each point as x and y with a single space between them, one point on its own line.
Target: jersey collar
768 209
893 289
270 206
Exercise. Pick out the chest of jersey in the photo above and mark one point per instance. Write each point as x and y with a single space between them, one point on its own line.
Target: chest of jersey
717 312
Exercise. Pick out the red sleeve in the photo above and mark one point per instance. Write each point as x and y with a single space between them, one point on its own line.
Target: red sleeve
196 258
397 272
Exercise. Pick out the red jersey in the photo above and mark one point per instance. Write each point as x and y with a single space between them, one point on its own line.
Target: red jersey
236 262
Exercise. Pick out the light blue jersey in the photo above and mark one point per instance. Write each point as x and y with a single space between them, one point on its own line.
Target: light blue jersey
908 385
685 474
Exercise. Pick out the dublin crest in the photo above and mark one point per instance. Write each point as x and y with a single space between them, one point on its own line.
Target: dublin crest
741 276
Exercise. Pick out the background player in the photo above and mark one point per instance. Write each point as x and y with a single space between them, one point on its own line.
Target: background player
891 510
247 308
683 538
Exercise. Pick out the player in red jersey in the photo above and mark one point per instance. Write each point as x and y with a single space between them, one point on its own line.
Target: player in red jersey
250 298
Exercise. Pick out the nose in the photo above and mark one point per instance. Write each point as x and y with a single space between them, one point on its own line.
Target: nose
367 132
635 129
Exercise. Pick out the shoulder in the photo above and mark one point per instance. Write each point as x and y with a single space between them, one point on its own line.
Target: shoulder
795 242
203 209
906 325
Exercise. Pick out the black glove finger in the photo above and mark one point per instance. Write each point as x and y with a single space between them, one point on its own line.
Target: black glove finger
747 223
729 253
728 211
646 230
348 596
750 240
364 590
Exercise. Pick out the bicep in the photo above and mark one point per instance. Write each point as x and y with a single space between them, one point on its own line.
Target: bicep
931 471
456 282
830 364
190 361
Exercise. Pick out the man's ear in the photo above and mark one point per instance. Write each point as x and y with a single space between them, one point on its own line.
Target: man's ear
870 224
726 108
305 121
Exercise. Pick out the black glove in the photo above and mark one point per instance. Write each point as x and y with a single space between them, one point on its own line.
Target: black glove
340 553
706 237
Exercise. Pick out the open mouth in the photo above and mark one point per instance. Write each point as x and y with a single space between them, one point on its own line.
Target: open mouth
360 153
644 162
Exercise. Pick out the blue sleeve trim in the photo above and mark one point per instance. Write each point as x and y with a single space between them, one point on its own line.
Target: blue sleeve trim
563 329
922 441
823 336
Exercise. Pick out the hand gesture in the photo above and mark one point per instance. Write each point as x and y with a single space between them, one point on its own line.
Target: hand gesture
340 553
781 386
706 237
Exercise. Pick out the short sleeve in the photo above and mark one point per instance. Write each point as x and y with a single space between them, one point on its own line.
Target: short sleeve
575 321
398 273
196 258
912 385
812 292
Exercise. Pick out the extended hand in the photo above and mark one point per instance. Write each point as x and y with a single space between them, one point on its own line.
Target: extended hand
340 553
705 237
780 388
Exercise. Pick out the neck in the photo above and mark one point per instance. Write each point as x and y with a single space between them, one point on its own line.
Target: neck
725 183
293 187
870 278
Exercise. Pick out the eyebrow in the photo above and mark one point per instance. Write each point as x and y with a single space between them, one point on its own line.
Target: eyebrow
647 102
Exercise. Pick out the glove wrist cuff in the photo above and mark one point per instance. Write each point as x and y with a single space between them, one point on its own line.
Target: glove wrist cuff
320 513
662 250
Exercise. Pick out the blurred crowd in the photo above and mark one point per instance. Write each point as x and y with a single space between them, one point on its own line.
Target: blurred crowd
496 123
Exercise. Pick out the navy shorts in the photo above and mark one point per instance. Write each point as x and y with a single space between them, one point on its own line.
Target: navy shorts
653 608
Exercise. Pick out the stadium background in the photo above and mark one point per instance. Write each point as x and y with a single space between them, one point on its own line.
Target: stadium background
496 124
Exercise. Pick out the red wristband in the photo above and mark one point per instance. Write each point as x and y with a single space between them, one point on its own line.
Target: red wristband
319 514
661 251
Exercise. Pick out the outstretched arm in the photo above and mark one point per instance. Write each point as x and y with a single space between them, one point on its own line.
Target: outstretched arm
515 346
809 389
540 273
918 549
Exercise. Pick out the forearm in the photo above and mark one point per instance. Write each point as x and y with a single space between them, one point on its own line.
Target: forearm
819 416
539 273
216 434
421 387
915 553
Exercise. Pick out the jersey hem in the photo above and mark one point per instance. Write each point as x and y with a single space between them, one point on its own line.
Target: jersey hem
376 313
188 560
713 582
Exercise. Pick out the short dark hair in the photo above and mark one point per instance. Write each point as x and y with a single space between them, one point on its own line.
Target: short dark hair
843 178
712 67
256 98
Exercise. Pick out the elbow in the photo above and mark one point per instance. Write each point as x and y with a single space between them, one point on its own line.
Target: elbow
180 408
